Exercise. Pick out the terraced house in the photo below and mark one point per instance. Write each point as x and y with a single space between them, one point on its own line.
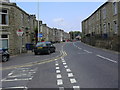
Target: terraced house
12 19
102 27
52 34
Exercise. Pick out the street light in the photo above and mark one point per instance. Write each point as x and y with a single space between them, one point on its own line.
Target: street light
38 22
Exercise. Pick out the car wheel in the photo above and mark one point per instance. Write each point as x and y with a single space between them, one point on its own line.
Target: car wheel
4 58
36 53
54 50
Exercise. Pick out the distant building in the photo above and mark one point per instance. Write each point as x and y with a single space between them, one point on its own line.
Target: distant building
52 34
66 36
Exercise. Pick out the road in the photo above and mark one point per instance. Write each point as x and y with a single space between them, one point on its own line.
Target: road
74 66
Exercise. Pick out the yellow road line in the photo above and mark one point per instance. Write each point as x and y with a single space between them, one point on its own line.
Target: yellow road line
35 63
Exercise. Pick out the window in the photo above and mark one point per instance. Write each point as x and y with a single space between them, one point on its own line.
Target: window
28 19
115 27
104 28
114 8
98 16
109 28
97 28
4 17
4 41
104 13
22 19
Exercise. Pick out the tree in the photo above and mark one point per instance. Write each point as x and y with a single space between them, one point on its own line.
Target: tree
74 34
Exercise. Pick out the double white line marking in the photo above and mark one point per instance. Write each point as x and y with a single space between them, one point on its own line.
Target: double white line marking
59 76
69 74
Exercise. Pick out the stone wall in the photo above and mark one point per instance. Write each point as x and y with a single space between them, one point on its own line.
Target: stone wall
109 43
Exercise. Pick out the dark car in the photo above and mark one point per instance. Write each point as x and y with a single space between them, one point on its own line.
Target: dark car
4 55
44 47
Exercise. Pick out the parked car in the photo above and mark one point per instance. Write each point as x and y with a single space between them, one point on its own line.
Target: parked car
44 47
4 55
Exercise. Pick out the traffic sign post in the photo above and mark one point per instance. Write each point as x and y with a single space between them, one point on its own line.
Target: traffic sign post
20 33
40 35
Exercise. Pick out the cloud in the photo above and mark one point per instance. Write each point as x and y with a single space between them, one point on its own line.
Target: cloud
58 20
69 25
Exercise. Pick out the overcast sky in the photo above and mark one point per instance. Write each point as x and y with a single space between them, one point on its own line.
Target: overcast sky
63 15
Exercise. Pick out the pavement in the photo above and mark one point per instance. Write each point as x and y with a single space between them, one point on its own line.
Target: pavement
74 66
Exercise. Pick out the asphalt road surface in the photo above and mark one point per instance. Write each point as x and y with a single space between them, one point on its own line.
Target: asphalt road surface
74 66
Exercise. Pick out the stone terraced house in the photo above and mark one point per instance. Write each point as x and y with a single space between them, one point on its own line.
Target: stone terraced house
13 18
103 21
102 28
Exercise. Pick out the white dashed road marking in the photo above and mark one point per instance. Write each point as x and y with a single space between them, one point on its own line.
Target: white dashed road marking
10 74
57 71
107 59
57 67
20 87
68 70
72 80
77 46
59 82
56 64
81 48
70 74
81 53
87 51
76 87
21 75
59 76
61 88
66 66
10 80
64 63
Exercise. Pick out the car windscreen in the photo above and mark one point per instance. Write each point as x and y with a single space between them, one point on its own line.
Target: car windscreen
40 45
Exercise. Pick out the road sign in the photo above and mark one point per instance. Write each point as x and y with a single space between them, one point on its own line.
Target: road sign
19 32
40 35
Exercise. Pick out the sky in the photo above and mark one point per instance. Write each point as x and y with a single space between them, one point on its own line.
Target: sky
62 15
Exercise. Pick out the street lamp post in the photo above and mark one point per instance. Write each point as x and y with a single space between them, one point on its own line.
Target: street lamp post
38 22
